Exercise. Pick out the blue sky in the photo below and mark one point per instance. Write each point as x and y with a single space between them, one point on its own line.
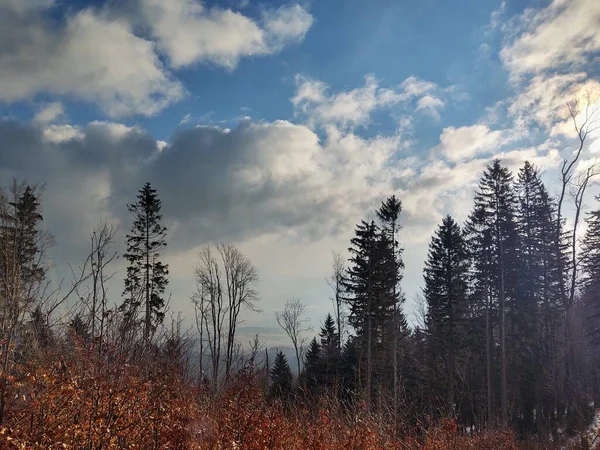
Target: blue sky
278 126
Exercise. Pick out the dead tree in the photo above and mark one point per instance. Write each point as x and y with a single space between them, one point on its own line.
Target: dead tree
573 184
293 322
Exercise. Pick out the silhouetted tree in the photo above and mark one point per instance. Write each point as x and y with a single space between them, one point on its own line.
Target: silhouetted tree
281 377
493 242
146 274
446 278
312 373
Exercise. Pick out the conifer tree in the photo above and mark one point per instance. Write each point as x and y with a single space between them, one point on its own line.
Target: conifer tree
591 293
537 316
328 336
330 353
22 270
360 284
397 326
591 267
313 367
27 218
446 277
389 216
281 377
146 274
493 242
79 328
41 330
21 265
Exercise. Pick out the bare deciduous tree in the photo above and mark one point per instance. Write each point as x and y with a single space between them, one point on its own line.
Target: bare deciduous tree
586 119
94 299
241 276
293 322
225 285
335 283
255 347
210 307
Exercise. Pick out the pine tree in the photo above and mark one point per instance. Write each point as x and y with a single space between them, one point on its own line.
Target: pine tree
389 216
313 367
41 330
328 336
79 328
591 267
27 219
493 242
360 284
330 353
446 277
281 377
146 274
591 293
20 237
537 316
397 327
348 373
22 271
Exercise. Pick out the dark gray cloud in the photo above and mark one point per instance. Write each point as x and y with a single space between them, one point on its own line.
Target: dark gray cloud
215 183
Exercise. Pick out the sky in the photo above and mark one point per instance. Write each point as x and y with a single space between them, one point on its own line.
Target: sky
278 126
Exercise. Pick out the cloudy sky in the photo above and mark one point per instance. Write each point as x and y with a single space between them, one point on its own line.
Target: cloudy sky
278 126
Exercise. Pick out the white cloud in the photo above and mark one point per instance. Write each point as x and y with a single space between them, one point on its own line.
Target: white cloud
49 113
414 87
92 58
308 91
113 130
462 143
189 32
544 99
563 34
285 25
496 20
548 54
441 188
354 107
58 134
95 55
431 105
256 178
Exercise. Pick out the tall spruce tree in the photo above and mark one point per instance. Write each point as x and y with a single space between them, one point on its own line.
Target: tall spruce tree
312 372
330 353
591 294
328 336
22 271
359 284
446 278
367 284
27 218
389 218
591 267
538 313
281 377
146 274
493 242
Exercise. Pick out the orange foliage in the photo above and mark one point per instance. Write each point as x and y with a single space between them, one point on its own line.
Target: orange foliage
83 402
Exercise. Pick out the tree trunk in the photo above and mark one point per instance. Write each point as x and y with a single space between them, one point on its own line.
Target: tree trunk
489 338
147 318
503 384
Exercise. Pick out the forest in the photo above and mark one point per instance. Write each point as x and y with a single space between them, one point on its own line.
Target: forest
507 354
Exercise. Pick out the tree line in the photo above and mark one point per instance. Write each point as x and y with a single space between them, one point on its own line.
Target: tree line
509 336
